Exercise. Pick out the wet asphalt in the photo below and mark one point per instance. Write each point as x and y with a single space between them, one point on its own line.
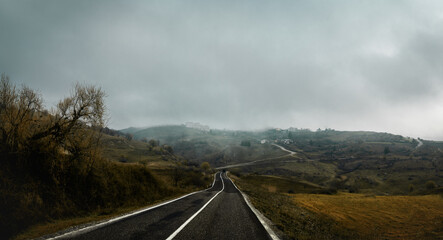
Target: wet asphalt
227 216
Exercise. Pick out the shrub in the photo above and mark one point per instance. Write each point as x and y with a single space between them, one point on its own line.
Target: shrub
430 185
245 143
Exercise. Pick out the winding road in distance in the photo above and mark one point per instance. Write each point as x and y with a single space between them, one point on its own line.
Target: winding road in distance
260 161
219 212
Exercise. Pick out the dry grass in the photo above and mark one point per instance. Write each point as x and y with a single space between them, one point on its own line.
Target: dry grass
393 217
270 188
282 184
343 215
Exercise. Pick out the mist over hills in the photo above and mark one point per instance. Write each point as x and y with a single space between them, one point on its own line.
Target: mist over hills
358 161
197 144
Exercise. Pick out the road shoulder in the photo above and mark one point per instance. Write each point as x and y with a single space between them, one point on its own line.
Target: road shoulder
263 220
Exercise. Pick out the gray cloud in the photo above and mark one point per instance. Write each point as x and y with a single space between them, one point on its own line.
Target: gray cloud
370 65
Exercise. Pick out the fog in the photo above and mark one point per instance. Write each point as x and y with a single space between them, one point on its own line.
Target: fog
347 65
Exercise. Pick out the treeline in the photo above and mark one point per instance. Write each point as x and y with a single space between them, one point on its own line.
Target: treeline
113 132
51 165
305 136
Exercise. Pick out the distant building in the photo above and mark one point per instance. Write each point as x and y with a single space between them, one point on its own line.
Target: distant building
264 141
286 141
198 126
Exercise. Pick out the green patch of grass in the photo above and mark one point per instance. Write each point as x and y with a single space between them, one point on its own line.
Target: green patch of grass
120 149
282 184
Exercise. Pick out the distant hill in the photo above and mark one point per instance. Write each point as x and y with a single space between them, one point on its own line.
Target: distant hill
222 146
130 130
219 147
357 161
165 134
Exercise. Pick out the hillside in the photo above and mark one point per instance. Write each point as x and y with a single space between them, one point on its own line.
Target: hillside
361 161
218 147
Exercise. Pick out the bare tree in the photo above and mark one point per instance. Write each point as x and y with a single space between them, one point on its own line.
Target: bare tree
18 110
70 132
84 108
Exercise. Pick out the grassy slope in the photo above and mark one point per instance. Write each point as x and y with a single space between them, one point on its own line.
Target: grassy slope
343 160
119 148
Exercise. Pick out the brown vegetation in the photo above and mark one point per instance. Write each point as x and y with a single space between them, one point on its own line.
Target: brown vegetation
51 164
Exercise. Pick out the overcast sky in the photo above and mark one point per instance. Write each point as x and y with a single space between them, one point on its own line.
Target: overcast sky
347 65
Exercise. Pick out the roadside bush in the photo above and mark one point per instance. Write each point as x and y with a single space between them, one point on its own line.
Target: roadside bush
195 178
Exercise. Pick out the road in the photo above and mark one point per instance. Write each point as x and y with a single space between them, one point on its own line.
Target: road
260 161
420 143
217 213
284 149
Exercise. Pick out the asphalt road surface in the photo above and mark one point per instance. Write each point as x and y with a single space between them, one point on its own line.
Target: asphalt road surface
216 213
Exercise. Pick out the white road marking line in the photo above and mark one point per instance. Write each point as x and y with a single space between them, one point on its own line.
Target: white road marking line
93 227
257 213
195 214
213 183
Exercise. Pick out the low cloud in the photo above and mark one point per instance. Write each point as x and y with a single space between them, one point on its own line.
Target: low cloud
367 65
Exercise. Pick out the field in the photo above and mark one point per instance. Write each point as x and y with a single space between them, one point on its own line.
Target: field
309 215
391 217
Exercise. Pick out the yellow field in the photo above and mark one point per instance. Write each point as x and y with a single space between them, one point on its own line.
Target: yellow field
393 217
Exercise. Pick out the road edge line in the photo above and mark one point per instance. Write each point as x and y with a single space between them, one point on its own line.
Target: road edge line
195 214
116 219
257 213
